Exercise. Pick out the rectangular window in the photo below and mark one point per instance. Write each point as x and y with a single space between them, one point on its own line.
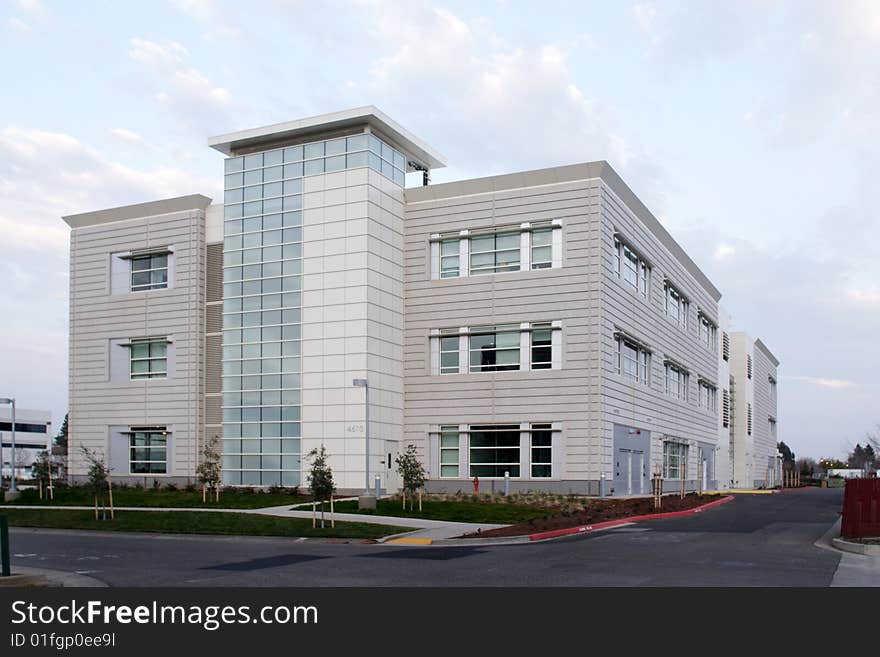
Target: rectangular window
494 450
449 451
674 459
149 359
542 457
772 383
632 361
542 346
449 355
148 447
542 248
708 396
772 427
449 259
708 334
631 268
676 306
149 272
495 253
676 382
494 348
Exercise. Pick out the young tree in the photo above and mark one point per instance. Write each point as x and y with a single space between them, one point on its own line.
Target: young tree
321 478
41 470
807 466
97 476
209 470
411 472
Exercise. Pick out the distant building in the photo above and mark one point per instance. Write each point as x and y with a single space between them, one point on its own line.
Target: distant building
33 434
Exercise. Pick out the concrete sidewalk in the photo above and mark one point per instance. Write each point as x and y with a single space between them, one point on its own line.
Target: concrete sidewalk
422 528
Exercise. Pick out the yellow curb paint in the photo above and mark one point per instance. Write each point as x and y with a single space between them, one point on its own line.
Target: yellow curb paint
411 541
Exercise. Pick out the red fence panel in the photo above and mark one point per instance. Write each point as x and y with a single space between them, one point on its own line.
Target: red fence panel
861 508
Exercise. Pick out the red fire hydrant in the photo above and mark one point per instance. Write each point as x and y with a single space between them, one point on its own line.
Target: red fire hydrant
476 484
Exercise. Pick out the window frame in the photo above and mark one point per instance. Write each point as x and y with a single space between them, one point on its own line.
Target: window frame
495 267
149 359
513 329
675 454
148 434
455 339
710 341
681 378
448 431
675 298
541 264
514 467
641 362
444 273
541 429
637 265
535 328
146 287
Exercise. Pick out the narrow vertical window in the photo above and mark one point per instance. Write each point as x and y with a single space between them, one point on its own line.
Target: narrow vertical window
542 451
449 259
542 248
449 358
542 346
449 451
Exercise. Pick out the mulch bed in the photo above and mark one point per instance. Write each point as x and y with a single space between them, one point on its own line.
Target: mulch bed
599 511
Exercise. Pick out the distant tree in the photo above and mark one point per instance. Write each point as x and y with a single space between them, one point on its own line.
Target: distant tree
787 455
829 463
320 478
411 472
806 466
61 438
96 477
870 457
856 458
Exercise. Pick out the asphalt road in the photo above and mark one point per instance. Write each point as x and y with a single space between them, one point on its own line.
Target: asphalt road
756 540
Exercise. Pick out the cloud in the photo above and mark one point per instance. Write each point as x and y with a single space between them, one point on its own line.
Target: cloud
211 15
127 136
494 106
33 7
19 25
723 252
185 90
824 383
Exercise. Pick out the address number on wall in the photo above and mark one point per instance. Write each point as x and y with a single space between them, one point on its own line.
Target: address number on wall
355 428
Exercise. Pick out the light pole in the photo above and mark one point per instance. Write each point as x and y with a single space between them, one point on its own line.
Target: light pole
367 498
10 400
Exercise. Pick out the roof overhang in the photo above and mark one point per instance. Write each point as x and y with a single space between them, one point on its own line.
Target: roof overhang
301 129
138 210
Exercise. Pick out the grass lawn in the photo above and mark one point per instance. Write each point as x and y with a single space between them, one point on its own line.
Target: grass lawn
193 522
454 511
148 497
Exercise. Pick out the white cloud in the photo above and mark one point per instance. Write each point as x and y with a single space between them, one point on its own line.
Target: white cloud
819 381
211 15
724 252
19 25
33 7
127 136
182 88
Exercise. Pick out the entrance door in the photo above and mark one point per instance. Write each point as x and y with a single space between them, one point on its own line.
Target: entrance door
638 470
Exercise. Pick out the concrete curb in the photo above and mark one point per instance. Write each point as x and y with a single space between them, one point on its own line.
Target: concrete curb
856 548
43 577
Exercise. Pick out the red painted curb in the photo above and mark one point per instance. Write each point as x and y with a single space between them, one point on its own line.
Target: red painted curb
554 533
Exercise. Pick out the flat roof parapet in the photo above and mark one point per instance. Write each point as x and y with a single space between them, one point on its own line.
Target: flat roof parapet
328 125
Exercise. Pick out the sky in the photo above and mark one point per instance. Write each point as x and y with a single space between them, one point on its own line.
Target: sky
751 129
